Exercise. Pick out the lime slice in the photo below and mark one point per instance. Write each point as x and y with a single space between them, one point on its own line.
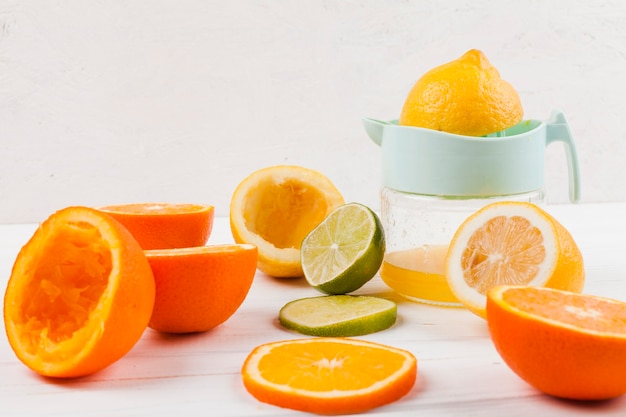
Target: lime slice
344 251
338 315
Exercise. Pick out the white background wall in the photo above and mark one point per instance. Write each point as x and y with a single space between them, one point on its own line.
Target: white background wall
106 102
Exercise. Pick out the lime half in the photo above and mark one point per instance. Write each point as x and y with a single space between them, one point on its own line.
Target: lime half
338 315
344 251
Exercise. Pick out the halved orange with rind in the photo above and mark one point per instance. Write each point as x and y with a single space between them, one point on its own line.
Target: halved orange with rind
565 344
199 288
165 225
80 294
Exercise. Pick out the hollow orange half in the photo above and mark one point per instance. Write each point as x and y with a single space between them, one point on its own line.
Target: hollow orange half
165 225
200 288
274 209
80 294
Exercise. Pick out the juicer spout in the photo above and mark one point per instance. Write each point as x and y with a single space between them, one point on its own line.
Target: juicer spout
375 129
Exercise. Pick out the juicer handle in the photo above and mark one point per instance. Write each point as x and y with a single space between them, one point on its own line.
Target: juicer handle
557 130
375 129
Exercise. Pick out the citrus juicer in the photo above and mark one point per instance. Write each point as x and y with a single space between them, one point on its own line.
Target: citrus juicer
433 180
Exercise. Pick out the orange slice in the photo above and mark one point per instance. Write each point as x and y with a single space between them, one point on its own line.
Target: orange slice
329 375
80 294
165 225
200 288
511 243
565 344
274 209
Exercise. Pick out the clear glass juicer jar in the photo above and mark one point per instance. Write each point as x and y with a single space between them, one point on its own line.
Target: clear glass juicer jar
432 181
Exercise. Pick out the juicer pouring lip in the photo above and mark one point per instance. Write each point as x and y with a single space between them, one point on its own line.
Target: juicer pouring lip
375 129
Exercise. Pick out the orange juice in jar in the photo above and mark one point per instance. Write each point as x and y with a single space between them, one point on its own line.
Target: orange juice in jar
418 274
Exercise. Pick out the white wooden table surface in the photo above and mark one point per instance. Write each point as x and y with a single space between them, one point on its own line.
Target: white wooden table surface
459 372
